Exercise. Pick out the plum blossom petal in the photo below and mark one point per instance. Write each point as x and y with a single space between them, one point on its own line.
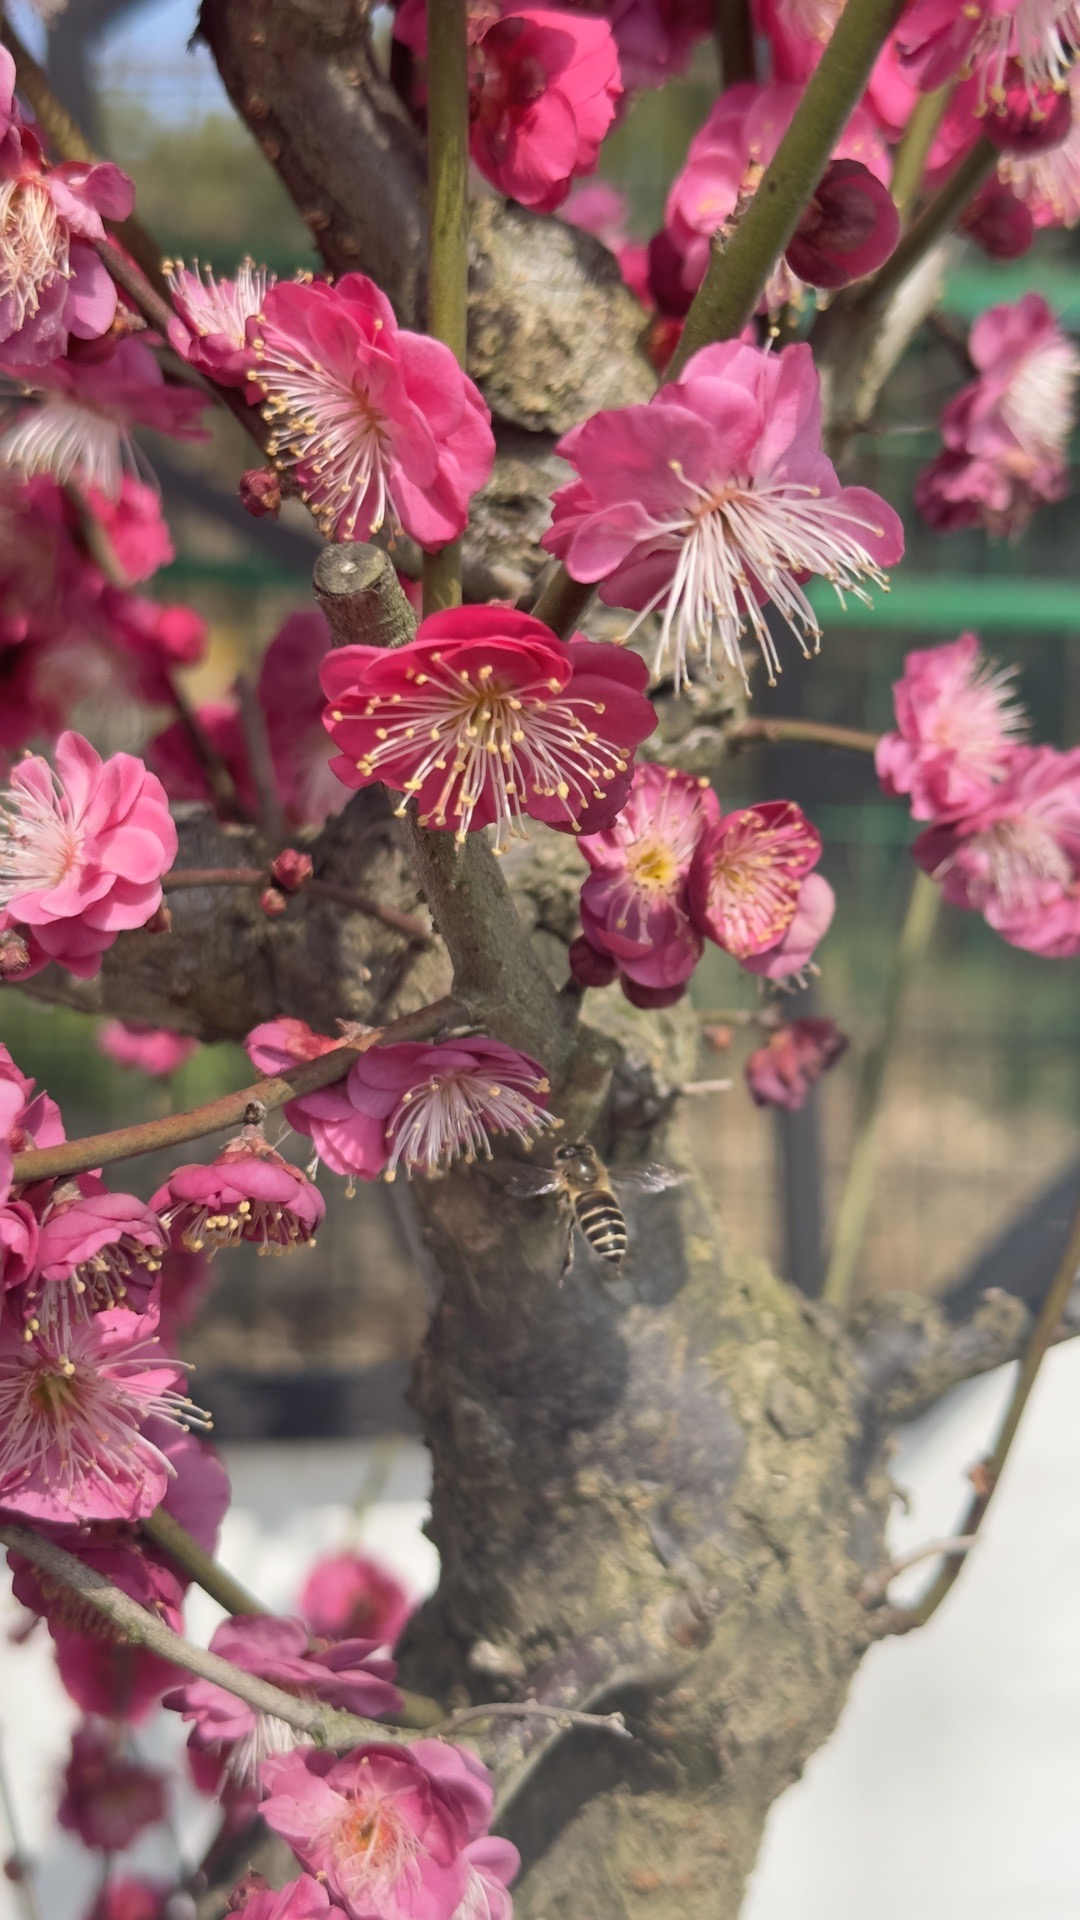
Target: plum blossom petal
79 428
957 723
545 85
248 1193
747 873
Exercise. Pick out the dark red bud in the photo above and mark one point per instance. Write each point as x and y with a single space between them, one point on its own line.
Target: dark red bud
272 902
589 967
291 869
260 491
652 997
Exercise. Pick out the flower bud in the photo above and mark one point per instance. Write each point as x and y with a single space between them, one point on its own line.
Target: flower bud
272 902
652 998
260 491
588 966
291 869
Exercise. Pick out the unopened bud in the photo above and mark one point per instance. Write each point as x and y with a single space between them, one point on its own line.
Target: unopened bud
161 921
652 997
260 491
272 902
589 967
14 955
291 869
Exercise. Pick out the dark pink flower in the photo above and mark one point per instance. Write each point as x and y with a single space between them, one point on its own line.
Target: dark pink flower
781 1073
386 1826
96 1250
211 332
154 1050
420 1107
345 1674
715 499
486 718
939 40
634 905
292 701
108 1799
102 1674
303 1899
53 284
347 1594
277 1045
747 873
134 527
588 966
848 229
82 852
958 722
545 83
1015 857
793 952
185 1280
198 1491
248 1193
129 1899
81 430
71 1418
1048 183
379 425
999 222
1006 433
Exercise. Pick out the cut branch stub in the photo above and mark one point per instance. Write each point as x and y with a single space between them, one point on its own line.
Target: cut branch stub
358 590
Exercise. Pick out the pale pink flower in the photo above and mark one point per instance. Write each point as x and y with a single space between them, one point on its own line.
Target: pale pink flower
379 425
52 284
545 84
1006 434
154 1050
108 1799
348 1594
386 1826
71 1416
782 1072
292 701
958 722
248 1193
82 852
302 1899
211 332
1015 856
746 875
634 905
81 430
715 499
486 718
791 955
345 1674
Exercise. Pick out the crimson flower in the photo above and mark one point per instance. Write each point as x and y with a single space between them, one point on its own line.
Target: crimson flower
248 1193
108 1799
545 85
486 718
379 425
747 874
713 500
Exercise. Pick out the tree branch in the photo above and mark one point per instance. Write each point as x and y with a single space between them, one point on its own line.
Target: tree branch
816 733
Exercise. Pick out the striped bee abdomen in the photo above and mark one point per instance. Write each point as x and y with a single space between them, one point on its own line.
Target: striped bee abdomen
601 1221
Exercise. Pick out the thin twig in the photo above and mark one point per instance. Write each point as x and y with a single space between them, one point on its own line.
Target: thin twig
325 1726
448 230
988 1474
876 1585
914 148
184 879
817 733
565 1717
218 778
102 1149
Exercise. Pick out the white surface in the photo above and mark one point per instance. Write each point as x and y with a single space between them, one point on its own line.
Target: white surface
951 1790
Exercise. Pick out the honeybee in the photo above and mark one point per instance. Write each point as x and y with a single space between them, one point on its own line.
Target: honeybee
586 1194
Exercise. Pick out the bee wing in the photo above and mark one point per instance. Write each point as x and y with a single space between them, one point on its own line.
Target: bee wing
531 1183
651 1178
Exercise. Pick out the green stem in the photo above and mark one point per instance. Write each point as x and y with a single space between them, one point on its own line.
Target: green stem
731 289
448 230
937 219
562 603
1039 1341
913 151
178 1544
858 1191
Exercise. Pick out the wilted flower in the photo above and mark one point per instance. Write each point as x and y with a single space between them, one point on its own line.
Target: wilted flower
248 1193
715 499
71 1417
211 332
379 425
82 852
345 1674
781 1073
545 84
634 905
348 1594
385 1826
81 430
155 1050
108 1799
958 722
486 718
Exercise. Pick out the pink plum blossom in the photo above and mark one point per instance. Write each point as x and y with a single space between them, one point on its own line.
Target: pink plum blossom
96 1250
82 852
345 1674
81 430
940 40
52 285
782 1072
153 1050
999 222
135 528
302 1899
386 1826
277 1045
421 1107
348 1594
380 426
492 1865
71 1417
248 1193
211 330
125 1898
292 702
1047 184
1015 855
791 955
486 717
798 31
957 725
108 1799
1006 433
746 875
634 905
715 499
545 84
